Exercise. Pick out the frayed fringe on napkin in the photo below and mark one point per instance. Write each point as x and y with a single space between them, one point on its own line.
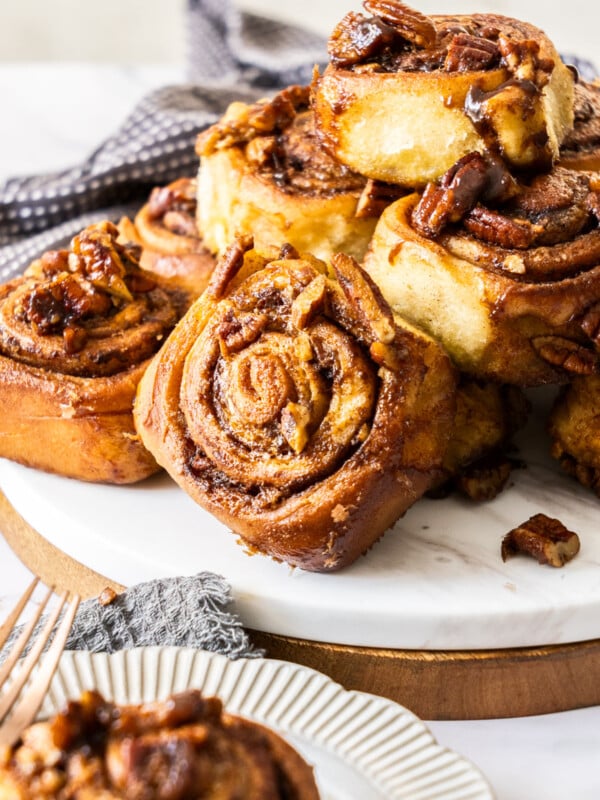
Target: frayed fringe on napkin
183 612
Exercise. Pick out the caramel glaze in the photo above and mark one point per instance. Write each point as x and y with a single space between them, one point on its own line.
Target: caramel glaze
183 748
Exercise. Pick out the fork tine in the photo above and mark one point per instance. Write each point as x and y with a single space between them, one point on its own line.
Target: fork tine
24 713
25 635
14 615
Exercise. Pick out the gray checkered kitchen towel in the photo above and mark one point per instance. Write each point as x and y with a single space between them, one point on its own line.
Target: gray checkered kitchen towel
231 56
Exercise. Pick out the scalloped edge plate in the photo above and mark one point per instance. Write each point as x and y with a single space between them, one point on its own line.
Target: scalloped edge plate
363 747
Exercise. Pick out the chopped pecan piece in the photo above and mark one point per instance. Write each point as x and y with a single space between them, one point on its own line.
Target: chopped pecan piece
566 354
357 38
544 538
471 178
412 25
107 596
485 478
523 61
467 52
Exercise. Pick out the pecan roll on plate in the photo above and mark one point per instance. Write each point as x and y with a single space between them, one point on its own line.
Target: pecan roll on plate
405 95
264 173
291 406
76 333
510 285
180 748
165 228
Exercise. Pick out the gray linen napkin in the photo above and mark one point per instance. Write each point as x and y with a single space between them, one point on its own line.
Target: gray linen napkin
184 612
232 56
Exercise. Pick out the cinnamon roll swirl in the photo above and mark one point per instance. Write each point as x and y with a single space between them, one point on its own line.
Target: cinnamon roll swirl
181 748
165 228
76 333
574 426
290 405
263 173
406 95
581 147
506 276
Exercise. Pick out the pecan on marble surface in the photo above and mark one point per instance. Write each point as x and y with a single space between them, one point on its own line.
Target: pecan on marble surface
544 538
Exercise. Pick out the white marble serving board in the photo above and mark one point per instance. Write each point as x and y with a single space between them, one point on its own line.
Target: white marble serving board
435 581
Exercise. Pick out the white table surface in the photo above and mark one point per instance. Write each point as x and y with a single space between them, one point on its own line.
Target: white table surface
52 116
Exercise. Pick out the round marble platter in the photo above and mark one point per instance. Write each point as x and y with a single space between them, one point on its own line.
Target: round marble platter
436 581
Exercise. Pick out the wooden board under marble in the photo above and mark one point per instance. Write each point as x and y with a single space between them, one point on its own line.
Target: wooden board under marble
474 684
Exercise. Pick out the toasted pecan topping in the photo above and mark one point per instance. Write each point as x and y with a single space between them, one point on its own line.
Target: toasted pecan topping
242 123
357 38
486 478
97 274
467 52
544 538
412 25
472 178
523 61
566 354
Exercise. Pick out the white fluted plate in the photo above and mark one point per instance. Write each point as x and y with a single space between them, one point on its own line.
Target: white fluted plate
361 746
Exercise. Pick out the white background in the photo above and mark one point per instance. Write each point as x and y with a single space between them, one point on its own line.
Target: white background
152 31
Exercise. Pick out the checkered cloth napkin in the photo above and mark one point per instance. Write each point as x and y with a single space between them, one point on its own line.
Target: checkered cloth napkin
231 56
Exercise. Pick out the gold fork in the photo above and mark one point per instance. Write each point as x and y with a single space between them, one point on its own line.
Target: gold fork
17 713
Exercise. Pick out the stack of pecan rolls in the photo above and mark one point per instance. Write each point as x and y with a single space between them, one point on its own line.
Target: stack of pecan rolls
379 264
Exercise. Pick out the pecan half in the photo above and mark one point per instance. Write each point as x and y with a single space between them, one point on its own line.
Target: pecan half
467 52
457 193
566 354
544 538
412 25
357 38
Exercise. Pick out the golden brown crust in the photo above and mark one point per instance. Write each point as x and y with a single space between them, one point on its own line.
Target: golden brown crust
76 333
511 291
264 173
574 426
482 82
182 748
291 406
165 228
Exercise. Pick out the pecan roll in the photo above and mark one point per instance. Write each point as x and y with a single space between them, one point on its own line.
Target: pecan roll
581 147
264 173
405 95
291 406
165 228
574 427
76 333
506 277
181 748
